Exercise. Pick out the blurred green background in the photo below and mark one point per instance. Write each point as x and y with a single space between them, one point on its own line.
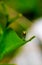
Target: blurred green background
30 8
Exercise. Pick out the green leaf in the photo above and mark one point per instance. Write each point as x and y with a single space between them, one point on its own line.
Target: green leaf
1 32
10 42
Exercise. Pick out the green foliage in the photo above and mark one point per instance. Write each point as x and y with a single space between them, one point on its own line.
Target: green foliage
9 40
22 5
31 7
